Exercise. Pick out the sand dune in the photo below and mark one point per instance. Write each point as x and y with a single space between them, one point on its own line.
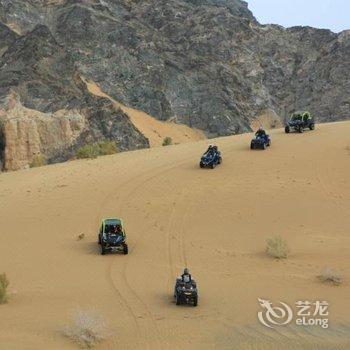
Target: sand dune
155 130
213 221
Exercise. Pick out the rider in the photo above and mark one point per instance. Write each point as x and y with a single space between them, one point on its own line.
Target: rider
117 230
212 148
261 132
186 276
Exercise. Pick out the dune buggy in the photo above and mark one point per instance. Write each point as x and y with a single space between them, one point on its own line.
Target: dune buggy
300 121
112 237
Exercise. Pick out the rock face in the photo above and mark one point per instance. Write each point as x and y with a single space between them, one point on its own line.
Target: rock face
206 63
46 107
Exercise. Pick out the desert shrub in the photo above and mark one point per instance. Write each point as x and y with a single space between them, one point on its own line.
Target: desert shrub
96 149
107 147
81 236
87 329
88 151
167 141
4 282
38 160
277 247
329 275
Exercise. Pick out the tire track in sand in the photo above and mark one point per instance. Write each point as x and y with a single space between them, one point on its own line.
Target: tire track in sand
146 323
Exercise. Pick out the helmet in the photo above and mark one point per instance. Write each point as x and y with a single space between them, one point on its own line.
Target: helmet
186 271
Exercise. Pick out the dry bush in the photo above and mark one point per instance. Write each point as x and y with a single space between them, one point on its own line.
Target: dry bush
38 160
329 275
87 329
81 236
167 141
4 282
277 247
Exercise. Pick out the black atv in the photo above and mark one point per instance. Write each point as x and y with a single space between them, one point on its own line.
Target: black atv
211 158
300 121
186 293
260 142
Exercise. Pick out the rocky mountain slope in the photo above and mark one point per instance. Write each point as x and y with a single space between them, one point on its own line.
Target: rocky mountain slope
205 63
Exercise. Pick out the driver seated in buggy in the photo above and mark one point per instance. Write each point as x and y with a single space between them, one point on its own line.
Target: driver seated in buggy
117 230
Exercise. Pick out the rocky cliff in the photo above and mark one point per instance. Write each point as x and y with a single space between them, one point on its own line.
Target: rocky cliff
205 63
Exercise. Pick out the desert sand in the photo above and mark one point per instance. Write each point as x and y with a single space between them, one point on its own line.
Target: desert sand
216 222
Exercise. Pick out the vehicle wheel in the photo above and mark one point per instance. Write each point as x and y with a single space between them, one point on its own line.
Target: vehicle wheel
195 301
201 165
99 238
312 126
287 129
177 300
269 143
252 145
212 166
103 250
301 130
125 249
264 146
220 160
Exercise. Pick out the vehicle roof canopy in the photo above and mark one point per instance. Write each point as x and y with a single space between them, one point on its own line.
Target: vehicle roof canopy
301 114
112 221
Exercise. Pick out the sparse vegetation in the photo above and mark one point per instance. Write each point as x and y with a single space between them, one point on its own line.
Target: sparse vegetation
81 236
87 330
4 282
88 151
107 147
329 275
38 160
277 247
167 141
96 149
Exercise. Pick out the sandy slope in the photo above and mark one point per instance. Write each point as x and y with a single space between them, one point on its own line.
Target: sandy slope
214 221
155 130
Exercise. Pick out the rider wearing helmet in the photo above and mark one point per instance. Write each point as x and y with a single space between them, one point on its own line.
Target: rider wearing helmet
261 132
186 276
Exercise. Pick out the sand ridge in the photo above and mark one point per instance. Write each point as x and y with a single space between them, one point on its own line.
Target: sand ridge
214 221
155 130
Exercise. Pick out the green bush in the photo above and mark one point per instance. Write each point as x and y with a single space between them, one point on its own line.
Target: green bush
4 282
107 147
88 151
38 160
96 149
277 247
167 141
